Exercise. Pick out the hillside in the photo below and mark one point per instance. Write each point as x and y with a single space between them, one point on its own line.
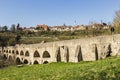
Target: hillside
108 69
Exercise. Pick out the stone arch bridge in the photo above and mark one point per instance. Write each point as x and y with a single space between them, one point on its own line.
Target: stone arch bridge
85 49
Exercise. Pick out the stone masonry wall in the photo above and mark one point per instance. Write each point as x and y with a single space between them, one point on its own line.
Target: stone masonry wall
86 49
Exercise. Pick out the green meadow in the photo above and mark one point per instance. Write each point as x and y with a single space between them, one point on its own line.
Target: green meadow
108 69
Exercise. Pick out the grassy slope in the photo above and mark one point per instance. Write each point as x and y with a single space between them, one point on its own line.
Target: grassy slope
108 69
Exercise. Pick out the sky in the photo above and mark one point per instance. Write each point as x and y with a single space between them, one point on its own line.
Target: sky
56 12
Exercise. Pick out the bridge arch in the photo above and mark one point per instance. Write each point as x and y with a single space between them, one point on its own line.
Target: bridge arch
18 61
46 54
5 56
109 50
21 53
9 51
45 62
36 54
27 53
6 51
26 61
36 62
10 58
13 51
17 52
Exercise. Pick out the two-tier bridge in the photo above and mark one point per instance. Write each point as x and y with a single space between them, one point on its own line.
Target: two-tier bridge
85 49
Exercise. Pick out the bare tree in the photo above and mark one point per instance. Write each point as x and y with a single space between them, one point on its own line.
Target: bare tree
117 19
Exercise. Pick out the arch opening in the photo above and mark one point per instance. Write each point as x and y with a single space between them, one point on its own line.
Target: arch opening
17 52
9 51
5 57
109 51
25 61
18 61
21 53
6 51
10 58
46 54
36 54
106 51
13 52
36 62
27 53
45 62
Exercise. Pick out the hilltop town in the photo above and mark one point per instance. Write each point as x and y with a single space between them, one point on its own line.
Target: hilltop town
64 27
67 28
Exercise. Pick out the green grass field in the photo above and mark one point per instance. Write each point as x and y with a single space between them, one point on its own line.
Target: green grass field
108 69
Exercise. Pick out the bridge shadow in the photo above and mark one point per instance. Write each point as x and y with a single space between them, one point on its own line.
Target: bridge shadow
80 57
96 52
58 55
67 54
